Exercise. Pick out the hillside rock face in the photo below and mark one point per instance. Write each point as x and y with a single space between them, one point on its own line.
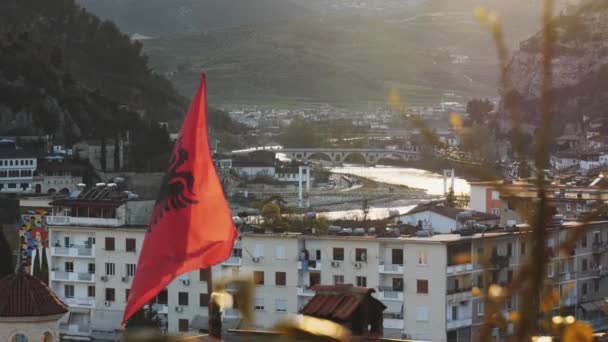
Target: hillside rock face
580 66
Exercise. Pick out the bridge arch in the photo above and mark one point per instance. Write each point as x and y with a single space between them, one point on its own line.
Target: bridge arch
320 156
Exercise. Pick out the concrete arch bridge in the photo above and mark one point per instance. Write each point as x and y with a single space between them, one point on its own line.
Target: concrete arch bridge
339 155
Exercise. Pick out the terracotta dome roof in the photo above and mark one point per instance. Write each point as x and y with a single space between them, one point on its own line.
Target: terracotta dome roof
22 295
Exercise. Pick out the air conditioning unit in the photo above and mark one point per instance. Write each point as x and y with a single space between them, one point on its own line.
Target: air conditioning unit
335 264
255 259
124 279
104 278
357 265
107 303
186 282
179 309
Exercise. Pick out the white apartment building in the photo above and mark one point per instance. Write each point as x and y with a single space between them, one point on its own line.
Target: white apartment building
23 172
425 282
95 242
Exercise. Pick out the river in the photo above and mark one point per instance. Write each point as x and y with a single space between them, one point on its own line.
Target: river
413 178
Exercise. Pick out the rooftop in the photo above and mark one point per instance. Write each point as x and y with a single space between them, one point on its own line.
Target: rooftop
26 296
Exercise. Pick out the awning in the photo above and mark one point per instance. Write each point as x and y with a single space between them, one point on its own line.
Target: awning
199 322
393 306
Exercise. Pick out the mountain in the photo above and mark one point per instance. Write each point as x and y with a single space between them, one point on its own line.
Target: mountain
66 73
580 67
169 17
424 50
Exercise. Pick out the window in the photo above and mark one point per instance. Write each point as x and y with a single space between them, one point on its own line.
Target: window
109 244
579 207
259 304
495 195
127 294
91 291
130 270
397 284
183 325
568 207
259 251
204 274
362 281
584 289
422 286
509 249
69 266
280 305
523 248
110 294
481 306
584 264
422 314
110 268
550 270
338 253
422 258
130 245
596 285
203 300
584 241
454 312
182 298
258 277
496 211
279 252
338 279
68 291
361 254
91 268
397 256
280 278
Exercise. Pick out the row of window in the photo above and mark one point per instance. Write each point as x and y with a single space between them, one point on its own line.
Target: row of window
16 173
130 244
16 162
22 186
129 269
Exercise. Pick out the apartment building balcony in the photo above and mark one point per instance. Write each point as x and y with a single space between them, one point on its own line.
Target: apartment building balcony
75 330
80 251
569 301
390 293
161 308
567 276
462 268
459 323
459 294
390 269
80 302
305 291
231 313
233 261
309 265
393 322
598 247
83 221
72 276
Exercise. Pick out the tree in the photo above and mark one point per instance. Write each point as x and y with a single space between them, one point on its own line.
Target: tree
271 213
44 268
36 264
6 256
301 133
365 209
479 109
450 198
104 152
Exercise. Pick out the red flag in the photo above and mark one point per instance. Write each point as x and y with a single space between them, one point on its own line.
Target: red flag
191 225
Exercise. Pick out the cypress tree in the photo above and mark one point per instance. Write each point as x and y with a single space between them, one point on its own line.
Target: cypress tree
6 256
36 264
44 271
116 153
104 152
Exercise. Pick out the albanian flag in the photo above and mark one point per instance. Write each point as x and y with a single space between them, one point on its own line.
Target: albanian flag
191 225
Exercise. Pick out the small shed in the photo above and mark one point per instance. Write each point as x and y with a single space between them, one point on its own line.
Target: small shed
351 306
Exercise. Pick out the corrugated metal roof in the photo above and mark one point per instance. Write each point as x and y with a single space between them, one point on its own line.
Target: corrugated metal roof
337 302
22 295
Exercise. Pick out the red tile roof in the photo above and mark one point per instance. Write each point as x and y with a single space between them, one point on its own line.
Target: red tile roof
22 295
337 302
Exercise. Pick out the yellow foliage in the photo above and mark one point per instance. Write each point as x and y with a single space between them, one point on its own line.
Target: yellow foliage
578 332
